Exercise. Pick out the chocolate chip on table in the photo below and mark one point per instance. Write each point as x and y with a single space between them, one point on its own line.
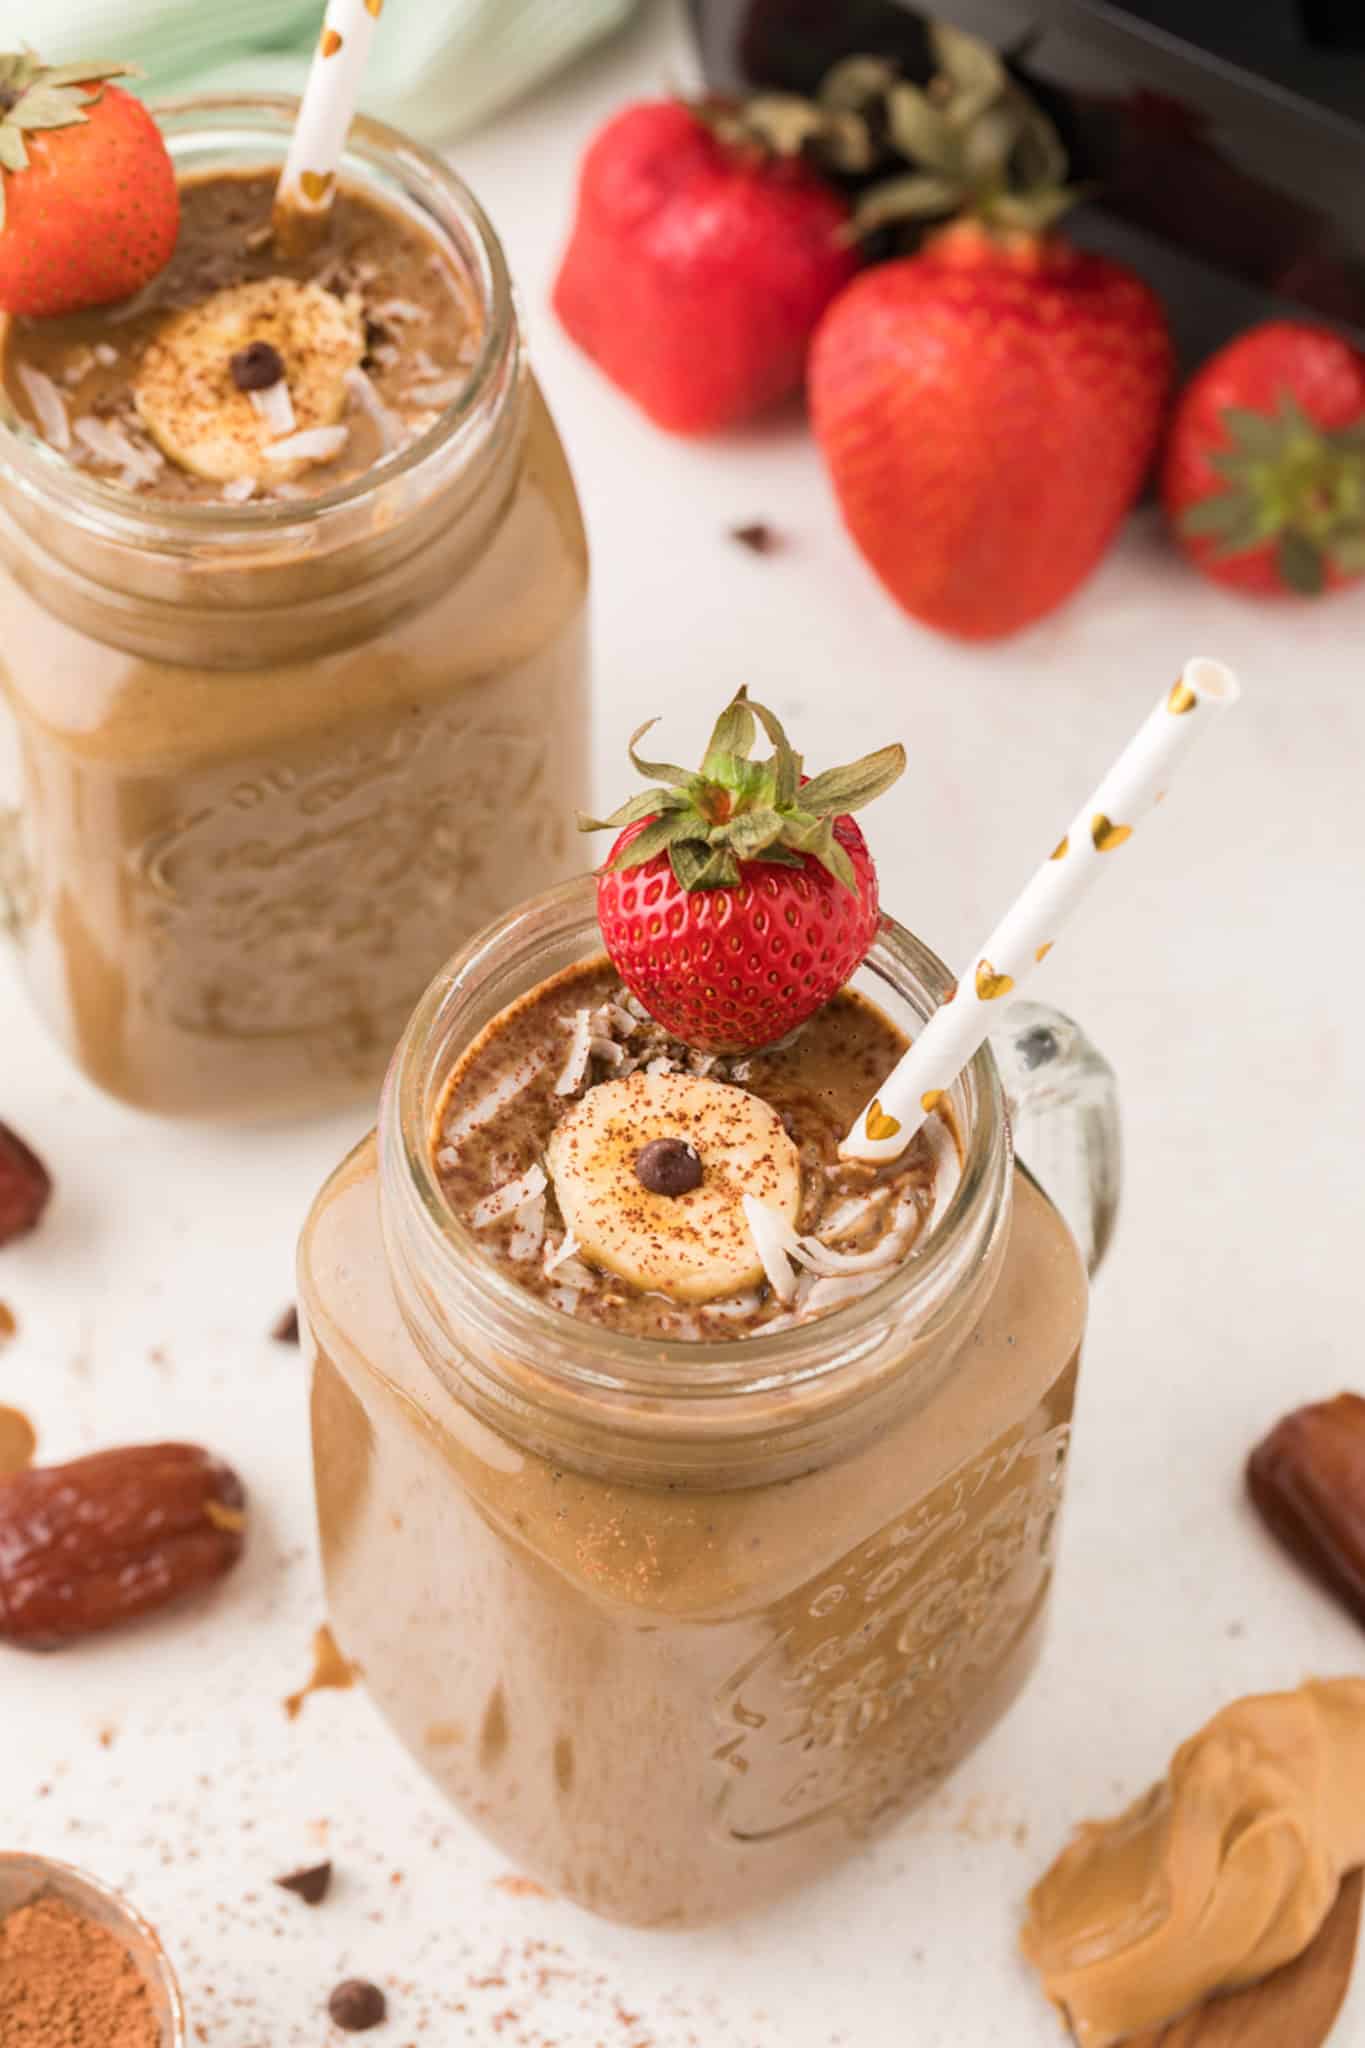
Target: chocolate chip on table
668 1166
257 366
286 1329
25 1185
311 1885
757 536
356 2005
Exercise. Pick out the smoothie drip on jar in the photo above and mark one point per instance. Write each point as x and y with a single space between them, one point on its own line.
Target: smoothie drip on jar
581 1030
415 332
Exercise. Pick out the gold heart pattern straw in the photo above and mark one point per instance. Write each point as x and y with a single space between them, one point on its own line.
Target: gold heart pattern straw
309 177
1025 935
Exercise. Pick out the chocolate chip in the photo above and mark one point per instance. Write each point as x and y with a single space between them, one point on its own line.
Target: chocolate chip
286 1330
256 367
310 1885
758 537
668 1166
376 334
356 2005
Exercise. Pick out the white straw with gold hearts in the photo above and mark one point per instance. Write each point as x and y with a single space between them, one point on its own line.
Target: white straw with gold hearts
1025 935
308 180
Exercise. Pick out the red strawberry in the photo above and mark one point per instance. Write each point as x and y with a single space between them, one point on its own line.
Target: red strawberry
1264 474
697 267
736 901
988 410
88 202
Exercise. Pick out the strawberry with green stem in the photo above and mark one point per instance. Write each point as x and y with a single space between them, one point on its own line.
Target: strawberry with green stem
89 207
739 898
1264 473
987 408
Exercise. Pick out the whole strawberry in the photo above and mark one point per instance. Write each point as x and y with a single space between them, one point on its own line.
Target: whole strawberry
698 266
1264 474
989 407
737 900
88 202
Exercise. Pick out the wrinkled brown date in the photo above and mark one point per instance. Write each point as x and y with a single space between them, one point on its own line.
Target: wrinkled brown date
104 1539
1307 1479
25 1185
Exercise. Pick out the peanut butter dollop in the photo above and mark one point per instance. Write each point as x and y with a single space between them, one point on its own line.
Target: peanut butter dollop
1217 1875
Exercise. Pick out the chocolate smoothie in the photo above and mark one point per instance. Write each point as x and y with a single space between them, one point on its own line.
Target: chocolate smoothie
682 1598
294 580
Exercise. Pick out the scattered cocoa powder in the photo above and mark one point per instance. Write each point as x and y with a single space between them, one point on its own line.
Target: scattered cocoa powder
66 1981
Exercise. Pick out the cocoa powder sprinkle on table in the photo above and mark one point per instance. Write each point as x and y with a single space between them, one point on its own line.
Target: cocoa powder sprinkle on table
66 1980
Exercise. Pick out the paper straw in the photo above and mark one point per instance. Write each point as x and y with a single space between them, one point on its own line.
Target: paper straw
1028 930
308 180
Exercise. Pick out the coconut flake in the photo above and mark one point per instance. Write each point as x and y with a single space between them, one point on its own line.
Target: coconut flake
662 1065
48 404
833 1293
238 489
137 462
701 1064
274 408
441 393
774 1241
314 444
499 1095
362 390
841 1222
512 1195
580 1051
528 1230
565 1299
105 354
745 1304
619 1018
888 1251
557 1254
399 310
740 1070
605 1049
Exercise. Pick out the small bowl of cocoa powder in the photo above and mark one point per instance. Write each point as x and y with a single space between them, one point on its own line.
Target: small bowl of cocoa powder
78 1964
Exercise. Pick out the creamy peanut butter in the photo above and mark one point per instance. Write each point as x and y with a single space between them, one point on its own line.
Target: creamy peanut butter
1218 1875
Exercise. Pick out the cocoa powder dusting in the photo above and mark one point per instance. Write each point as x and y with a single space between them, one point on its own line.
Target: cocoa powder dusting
68 1982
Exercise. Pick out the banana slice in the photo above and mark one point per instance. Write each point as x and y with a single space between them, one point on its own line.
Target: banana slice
191 406
694 1246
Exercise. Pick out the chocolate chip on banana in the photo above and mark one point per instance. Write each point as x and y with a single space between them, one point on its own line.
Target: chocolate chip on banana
675 1232
206 414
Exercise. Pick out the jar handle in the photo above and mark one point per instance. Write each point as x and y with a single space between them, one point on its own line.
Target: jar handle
16 887
1063 1103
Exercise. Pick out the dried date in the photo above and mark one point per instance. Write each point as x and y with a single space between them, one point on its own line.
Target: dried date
97 1542
1307 1482
25 1186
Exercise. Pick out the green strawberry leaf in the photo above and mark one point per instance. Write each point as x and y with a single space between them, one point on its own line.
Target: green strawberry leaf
752 833
733 732
13 155
920 196
658 771
1348 552
971 67
1300 563
786 760
1252 432
848 789
920 130
703 867
642 806
663 832
1213 517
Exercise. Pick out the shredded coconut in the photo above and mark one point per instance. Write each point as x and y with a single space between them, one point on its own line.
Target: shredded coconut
841 1222
105 354
314 444
575 1066
564 1298
605 1049
367 398
701 1064
238 489
137 463
888 1251
774 1241
444 392
621 1019
556 1254
48 404
399 311
528 1230
512 1195
734 1305
275 409
499 1095
662 1065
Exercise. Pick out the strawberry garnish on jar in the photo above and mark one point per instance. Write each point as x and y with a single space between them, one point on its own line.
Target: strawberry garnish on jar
89 208
739 898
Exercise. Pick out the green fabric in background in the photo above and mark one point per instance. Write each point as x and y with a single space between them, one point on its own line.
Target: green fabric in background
437 66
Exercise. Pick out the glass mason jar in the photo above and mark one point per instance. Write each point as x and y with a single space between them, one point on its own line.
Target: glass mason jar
278 758
678 1624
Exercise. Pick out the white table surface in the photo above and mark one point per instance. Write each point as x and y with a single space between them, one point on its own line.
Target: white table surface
1222 975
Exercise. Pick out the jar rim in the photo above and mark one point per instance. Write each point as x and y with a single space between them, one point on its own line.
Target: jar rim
915 1298
371 146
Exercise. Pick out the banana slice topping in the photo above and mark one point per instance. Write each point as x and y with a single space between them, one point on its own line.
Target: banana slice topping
193 408
694 1245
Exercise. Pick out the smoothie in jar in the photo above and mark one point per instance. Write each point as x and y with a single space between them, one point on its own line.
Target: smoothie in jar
687 1495
295 584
